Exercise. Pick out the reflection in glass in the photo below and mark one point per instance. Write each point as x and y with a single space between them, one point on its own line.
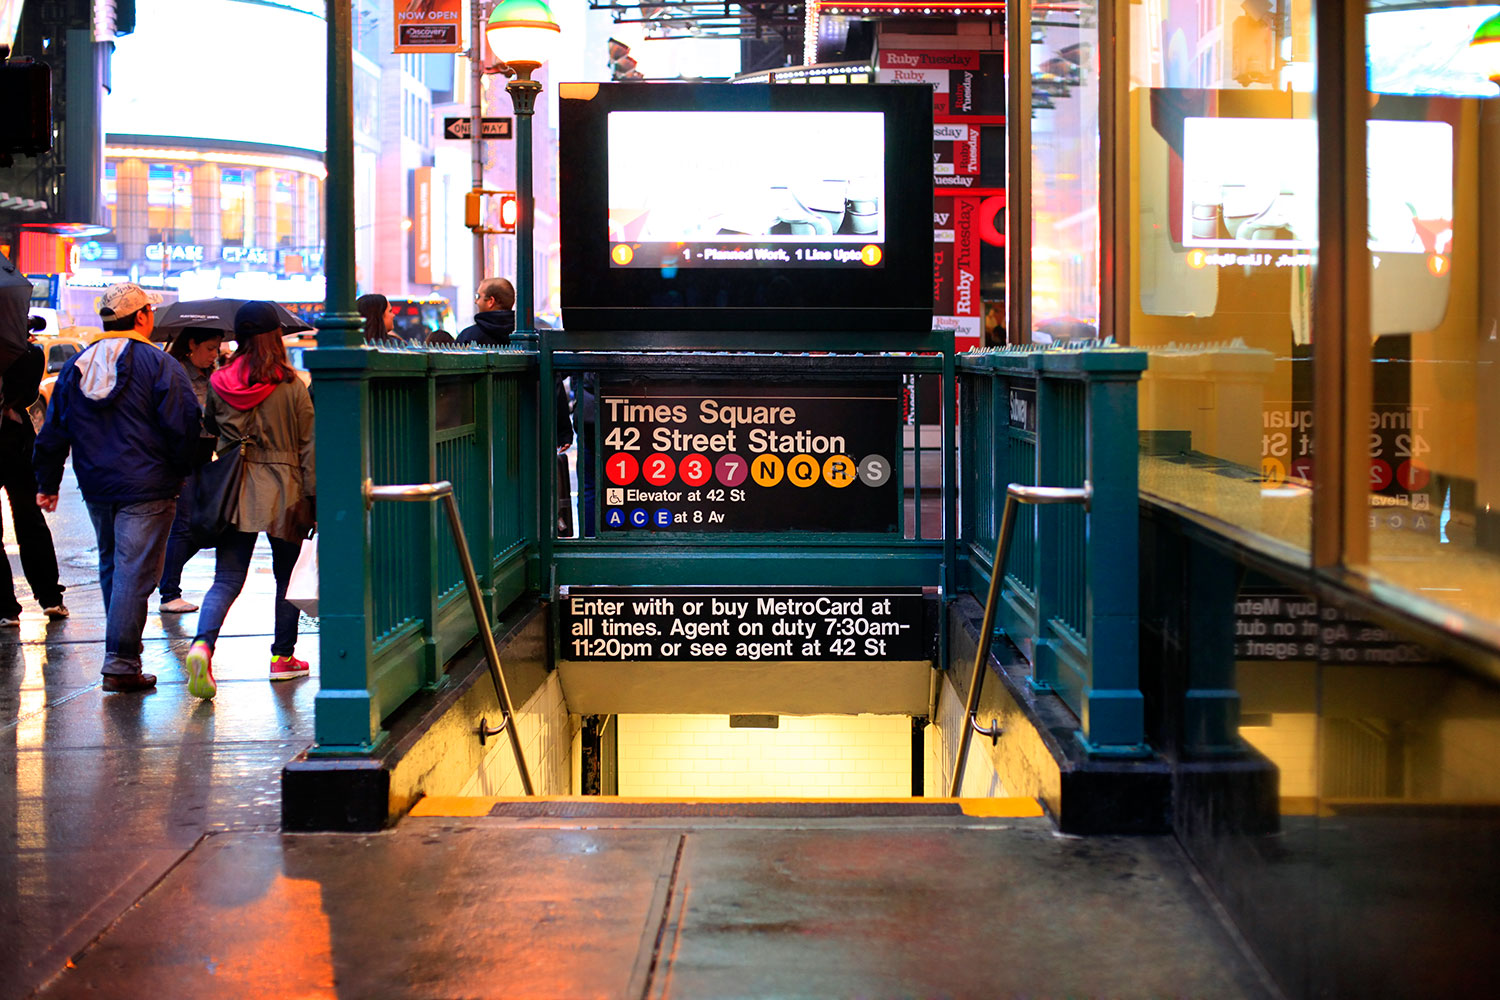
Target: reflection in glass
1224 233
236 195
1065 174
111 193
1434 480
169 202
1376 879
286 208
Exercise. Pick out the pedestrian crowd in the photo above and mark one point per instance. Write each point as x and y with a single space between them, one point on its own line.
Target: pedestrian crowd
182 450
174 451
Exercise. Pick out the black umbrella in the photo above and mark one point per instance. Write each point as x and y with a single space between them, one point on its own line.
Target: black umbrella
216 314
15 302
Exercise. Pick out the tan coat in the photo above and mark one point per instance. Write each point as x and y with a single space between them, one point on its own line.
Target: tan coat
278 459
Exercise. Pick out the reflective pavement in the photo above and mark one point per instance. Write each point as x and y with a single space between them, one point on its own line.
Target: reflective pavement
102 794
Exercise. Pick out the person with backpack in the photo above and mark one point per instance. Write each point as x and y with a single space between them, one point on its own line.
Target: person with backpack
128 414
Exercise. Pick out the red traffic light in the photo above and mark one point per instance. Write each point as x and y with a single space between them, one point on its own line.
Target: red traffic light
510 211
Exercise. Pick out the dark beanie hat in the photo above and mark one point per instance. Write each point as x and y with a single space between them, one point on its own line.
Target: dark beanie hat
255 317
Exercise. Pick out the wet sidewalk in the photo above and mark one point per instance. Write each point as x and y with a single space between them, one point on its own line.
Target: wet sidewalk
101 795
494 907
142 858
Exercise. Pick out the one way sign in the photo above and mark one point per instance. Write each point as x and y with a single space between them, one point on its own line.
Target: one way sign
493 128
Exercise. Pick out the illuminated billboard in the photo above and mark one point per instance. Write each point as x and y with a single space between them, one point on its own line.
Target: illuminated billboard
222 70
736 199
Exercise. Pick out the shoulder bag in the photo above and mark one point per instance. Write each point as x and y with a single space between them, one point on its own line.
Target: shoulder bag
216 493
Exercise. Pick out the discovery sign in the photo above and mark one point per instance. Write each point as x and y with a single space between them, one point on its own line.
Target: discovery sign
680 456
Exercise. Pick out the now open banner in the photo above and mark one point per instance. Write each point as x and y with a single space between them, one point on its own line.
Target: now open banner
429 25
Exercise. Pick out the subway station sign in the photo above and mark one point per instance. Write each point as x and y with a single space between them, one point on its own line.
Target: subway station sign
679 456
624 624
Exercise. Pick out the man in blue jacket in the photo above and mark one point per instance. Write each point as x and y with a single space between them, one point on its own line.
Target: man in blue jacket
129 414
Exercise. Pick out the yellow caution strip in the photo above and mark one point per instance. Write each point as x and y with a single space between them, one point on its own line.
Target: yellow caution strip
458 806
1012 807
453 806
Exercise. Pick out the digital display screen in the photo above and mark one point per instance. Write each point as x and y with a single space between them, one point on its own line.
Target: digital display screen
705 189
1252 183
1427 51
205 96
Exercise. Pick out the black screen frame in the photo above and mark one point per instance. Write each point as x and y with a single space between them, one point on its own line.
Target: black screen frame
895 297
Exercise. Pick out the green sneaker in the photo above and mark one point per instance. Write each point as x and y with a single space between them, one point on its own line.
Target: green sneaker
200 665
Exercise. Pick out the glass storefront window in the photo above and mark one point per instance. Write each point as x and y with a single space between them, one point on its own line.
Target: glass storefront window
286 208
1434 215
169 203
236 195
1065 174
111 193
314 212
366 102
1223 222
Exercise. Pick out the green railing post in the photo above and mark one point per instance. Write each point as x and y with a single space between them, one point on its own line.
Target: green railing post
948 386
435 533
1211 705
340 325
482 541
1059 431
1079 626
532 492
345 716
1114 709
546 515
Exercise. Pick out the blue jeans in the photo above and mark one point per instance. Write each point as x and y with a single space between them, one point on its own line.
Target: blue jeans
132 546
33 537
231 566
180 546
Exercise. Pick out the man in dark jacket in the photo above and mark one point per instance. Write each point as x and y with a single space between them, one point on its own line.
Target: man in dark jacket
128 412
494 314
18 390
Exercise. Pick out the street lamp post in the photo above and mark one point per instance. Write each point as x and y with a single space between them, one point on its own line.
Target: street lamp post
340 325
521 34
481 10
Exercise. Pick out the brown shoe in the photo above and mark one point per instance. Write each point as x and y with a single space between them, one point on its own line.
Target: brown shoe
128 683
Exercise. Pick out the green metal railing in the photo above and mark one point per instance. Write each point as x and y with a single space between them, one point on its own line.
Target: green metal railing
1061 418
392 601
393 605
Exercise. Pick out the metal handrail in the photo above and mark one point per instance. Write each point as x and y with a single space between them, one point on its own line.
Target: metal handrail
421 493
1015 495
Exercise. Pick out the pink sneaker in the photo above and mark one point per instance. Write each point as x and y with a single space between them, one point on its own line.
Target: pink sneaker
285 668
200 667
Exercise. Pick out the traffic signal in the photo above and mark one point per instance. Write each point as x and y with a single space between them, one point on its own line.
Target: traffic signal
474 210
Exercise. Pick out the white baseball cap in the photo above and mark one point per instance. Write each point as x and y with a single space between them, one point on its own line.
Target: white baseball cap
119 301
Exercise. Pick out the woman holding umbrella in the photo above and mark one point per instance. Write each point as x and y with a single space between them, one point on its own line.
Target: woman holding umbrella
258 401
197 348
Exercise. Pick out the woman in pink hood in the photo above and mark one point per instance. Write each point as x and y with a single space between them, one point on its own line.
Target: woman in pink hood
258 399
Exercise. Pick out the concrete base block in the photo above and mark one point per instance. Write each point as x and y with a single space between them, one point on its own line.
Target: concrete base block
1040 754
433 744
